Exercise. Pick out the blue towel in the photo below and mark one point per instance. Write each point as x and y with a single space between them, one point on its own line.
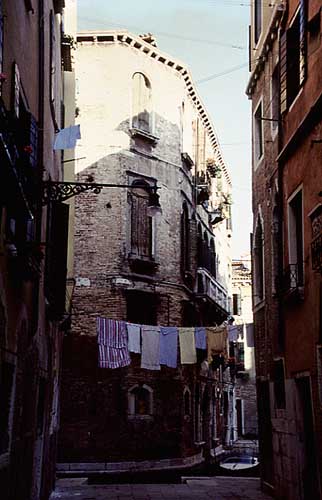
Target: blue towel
200 337
168 346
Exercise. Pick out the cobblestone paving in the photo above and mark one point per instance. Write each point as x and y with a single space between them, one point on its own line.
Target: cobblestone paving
219 488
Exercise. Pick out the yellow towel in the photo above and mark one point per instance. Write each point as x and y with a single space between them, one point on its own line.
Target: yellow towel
216 340
187 346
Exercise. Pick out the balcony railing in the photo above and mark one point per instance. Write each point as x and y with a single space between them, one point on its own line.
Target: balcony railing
316 253
208 286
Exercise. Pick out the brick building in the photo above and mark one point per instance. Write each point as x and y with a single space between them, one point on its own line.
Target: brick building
285 87
32 267
143 125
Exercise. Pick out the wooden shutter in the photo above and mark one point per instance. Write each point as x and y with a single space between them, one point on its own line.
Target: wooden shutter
303 43
56 259
16 89
283 72
1 37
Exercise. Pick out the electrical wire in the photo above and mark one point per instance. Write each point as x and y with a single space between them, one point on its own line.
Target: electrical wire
165 34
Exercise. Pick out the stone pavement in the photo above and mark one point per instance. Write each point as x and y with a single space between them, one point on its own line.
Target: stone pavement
215 488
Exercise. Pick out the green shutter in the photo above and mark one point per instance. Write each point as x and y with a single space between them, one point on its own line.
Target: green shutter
283 72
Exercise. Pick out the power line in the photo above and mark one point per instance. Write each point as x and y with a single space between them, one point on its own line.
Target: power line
166 34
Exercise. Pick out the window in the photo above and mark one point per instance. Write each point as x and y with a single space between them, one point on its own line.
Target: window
6 389
187 401
240 416
258 133
213 269
257 19
16 90
185 243
293 58
295 234
141 103
140 401
138 313
259 262
141 222
275 100
236 304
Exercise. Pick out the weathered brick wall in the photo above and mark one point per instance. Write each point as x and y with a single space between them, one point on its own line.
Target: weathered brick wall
95 425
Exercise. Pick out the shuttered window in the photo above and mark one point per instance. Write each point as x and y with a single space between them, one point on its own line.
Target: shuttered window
283 73
1 38
257 19
16 90
185 244
293 58
141 223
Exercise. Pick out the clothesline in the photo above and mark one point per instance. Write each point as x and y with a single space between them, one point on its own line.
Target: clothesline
158 345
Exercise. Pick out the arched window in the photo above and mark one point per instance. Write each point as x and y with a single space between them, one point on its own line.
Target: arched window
141 222
140 400
259 261
141 102
185 250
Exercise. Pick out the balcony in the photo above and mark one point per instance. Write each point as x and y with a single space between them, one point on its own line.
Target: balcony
293 281
209 288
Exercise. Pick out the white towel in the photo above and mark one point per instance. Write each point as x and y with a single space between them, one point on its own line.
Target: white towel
134 337
187 346
150 359
67 137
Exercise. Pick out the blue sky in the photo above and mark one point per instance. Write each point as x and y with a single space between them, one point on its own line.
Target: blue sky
211 37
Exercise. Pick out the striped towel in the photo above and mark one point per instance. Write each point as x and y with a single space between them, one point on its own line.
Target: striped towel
112 343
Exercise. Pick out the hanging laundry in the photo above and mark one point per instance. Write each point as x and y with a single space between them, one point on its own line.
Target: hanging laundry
200 337
168 346
112 343
187 346
67 137
134 337
216 340
150 359
232 333
250 335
